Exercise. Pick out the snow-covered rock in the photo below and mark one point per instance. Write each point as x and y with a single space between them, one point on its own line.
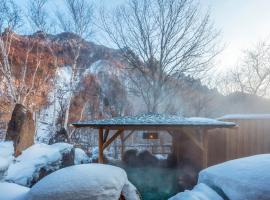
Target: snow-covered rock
130 192
161 157
87 181
107 154
11 191
80 157
27 167
6 156
199 192
241 179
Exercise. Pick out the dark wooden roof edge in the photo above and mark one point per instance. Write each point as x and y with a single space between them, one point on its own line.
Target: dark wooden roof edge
155 126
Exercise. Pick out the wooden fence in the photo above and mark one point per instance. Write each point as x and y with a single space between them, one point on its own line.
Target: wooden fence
250 138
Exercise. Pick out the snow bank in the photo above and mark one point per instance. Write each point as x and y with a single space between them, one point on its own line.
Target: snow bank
11 191
199 192
39 156
246 178
80 157
6 154
129 191
6 157
88 181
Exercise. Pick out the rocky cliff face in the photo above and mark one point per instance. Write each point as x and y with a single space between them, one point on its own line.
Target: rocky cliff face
101 86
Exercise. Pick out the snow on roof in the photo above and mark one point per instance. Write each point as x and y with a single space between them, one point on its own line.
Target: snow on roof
154 120
245 116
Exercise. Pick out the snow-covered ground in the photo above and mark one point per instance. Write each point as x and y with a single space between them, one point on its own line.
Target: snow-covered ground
199 192
88 181
6 155
11 191
241 179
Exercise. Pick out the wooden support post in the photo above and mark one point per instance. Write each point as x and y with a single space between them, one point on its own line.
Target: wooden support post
100 146
205 148
128 135
109 141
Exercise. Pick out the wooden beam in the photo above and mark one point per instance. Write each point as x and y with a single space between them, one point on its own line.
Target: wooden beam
107 143
100 146
126 137
106 134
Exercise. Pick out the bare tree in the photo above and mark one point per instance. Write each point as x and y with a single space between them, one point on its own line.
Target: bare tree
25 81
10 19
252 75
162 41
77 19
38 15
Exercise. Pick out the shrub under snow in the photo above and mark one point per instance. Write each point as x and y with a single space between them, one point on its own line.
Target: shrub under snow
80 157
27 166
87 181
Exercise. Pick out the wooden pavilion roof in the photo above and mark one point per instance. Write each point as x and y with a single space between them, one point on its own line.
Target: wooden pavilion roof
152 121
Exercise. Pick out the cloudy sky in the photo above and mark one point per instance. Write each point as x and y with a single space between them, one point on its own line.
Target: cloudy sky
242 23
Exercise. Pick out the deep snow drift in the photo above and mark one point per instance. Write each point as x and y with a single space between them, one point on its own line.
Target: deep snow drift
87 181
11 191
242 179
6 156
199 192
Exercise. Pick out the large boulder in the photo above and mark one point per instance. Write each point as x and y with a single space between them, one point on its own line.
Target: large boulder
136 158
246 178
21 129
87 181
145 158
130 157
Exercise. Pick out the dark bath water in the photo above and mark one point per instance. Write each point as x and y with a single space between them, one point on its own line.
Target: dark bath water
154 183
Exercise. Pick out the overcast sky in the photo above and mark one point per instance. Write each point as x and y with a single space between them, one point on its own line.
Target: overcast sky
241 22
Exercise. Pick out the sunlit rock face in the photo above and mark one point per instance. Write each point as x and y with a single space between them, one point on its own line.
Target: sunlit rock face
21 129
82 182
